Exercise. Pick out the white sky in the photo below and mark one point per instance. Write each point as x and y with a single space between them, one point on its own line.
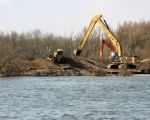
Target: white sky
67 17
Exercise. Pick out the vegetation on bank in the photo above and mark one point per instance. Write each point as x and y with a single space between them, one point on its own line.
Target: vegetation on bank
15 47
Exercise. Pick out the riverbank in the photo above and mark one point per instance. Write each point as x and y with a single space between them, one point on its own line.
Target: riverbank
45 67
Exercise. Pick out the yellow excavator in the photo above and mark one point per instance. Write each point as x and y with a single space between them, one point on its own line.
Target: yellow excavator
118 61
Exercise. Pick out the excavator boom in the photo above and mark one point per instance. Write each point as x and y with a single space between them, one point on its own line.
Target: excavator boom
88 32
105 27
108 44
119 61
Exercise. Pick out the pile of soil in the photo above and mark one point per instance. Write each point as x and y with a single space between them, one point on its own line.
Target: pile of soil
45 67
145 66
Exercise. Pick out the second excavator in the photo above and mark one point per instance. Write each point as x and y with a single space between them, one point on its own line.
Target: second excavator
118 60
109 45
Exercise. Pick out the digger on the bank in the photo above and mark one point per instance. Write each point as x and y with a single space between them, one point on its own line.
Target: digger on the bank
119 61
57 56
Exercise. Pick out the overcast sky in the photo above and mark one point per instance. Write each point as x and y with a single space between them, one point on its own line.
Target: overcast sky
66 17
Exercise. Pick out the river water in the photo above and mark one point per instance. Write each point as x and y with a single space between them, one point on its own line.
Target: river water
75 98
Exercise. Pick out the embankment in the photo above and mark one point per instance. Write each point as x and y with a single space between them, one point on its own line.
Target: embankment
44 67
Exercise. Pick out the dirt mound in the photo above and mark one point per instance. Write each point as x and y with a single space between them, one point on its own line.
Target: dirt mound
44 63
147 60
145 66
38 63
73 63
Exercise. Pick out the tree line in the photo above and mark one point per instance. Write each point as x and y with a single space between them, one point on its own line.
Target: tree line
133 36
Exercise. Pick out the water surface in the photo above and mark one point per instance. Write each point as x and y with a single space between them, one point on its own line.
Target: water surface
75 98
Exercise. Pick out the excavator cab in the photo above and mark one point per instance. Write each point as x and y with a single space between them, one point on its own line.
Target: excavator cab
59 52
57 56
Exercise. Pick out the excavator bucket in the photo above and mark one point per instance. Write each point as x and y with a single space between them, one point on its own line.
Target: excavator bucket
77 52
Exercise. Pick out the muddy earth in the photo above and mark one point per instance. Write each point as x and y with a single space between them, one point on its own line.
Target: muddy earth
72 67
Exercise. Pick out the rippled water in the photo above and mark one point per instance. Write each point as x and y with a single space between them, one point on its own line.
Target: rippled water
75 98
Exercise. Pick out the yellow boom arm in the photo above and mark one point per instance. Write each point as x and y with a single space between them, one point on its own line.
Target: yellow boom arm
104 26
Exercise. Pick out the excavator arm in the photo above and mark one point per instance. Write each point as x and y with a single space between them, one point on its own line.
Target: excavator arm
88 32
105 27
108 44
